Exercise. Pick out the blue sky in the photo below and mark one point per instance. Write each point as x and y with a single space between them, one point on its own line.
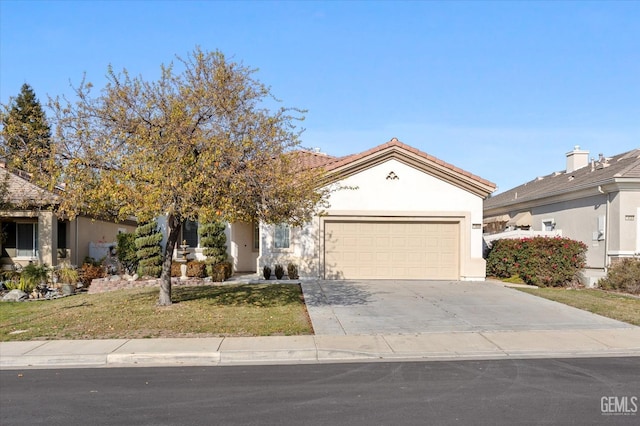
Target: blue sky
501 89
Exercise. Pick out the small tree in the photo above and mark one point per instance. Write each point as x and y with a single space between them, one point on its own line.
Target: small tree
26 135
200 142
148 241
127 253
214 243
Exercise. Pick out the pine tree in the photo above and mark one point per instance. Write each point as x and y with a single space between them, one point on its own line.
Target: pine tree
26 135
214 243
148 240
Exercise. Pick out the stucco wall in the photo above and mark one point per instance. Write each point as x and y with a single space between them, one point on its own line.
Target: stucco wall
625 239
578 220
412 193
84 230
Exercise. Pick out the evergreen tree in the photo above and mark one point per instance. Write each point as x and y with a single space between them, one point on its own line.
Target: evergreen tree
148 240
26 135
214 243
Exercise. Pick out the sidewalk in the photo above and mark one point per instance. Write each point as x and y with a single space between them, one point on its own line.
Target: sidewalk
320 349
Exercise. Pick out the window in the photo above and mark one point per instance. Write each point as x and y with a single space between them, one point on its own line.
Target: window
190 233
548 225
256 236
27 240
281 236
62 235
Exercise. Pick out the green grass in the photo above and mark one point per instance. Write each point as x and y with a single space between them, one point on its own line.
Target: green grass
229 310
617 306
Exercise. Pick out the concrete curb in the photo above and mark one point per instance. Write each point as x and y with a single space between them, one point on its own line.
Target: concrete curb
220 351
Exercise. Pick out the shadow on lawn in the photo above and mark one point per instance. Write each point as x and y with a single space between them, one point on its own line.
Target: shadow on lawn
242 295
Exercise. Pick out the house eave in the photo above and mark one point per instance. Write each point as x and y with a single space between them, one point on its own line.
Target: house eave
432 168
576 192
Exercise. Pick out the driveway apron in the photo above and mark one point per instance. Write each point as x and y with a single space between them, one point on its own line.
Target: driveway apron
410 307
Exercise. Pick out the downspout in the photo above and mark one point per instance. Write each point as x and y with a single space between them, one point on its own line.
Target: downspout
606 229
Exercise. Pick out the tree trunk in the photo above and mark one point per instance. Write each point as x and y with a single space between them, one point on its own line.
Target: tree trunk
173 231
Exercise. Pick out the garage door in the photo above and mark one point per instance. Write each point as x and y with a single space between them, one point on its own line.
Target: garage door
391 250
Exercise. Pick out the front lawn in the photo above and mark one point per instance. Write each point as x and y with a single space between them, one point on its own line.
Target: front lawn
617 306
228 310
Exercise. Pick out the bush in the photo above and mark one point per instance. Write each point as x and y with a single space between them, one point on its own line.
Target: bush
127 252
266 272
149 250
501 260
278 271
292 271
624 276
195 269
213 242
540 261
217 272
89 272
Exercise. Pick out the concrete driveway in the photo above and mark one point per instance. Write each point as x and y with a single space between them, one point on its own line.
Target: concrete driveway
409 307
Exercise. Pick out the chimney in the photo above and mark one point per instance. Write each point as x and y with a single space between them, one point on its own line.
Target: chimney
577 159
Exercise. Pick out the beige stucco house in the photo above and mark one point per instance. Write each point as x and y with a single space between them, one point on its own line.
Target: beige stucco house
406 215
596 201
32 232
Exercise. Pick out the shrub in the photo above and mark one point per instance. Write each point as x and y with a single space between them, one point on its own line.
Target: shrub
266 272
67 275
149 250
501 260
541 261
217 272
127 252
278 271
175 269
292 271
197 269
89 272
623 275
213 242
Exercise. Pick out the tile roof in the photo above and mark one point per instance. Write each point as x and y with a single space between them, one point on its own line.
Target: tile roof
332 163
608 170
24 193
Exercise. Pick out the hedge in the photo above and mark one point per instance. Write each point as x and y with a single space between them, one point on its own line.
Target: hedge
540 261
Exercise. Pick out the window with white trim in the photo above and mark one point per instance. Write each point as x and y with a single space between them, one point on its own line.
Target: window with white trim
281 236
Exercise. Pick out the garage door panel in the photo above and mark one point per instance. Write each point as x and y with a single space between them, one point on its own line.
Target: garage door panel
409 250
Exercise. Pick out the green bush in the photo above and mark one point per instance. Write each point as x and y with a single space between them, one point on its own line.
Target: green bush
149 250
540 261
278 271
127 252
623 275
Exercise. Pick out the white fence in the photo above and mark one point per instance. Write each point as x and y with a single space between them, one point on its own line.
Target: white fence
488 239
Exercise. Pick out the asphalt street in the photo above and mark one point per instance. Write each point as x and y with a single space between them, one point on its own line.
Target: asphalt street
535 391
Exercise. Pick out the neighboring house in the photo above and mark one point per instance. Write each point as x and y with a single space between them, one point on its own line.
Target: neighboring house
407 215
31 231
593 201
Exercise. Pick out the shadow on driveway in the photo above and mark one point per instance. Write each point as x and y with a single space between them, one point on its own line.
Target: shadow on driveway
367 307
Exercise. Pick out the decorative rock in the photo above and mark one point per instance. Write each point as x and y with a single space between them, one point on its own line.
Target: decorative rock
15 296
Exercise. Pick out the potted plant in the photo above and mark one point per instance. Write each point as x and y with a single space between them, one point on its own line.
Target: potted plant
68 277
